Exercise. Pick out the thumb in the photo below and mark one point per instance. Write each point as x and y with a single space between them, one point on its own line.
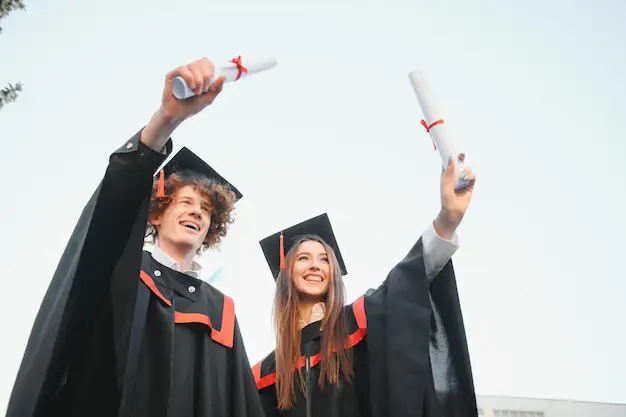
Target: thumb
213 92
448 173
217 86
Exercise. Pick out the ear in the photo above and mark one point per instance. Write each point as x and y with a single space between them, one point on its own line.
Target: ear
155 220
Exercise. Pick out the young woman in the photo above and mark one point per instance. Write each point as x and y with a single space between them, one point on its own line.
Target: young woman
397 351
123 332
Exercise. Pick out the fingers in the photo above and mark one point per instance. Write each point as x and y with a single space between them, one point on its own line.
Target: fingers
202 71
217 86
214 90
184 73
207 70
197 75
197 78
448 172
469 186
468 176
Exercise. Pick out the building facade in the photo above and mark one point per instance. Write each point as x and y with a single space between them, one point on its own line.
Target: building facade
496 406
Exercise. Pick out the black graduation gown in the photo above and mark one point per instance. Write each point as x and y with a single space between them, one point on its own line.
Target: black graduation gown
114 337
409 351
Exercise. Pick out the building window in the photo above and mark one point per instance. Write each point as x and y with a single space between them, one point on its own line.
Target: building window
517 413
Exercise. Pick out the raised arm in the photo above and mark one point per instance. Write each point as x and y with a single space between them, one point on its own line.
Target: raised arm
439 242
415 335
112 223
120 203
437 251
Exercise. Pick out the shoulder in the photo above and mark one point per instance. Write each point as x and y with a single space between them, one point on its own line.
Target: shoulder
213 292
204 305
220 299
264 371
356 318
221 309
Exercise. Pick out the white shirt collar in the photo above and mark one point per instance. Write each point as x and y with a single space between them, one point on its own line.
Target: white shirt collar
317 313
166 260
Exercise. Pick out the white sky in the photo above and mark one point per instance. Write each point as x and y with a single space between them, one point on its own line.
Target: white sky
534 93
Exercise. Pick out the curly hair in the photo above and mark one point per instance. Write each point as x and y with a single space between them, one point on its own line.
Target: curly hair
221 198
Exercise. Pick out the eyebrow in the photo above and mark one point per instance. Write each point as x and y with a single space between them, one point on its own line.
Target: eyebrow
202 200
309 253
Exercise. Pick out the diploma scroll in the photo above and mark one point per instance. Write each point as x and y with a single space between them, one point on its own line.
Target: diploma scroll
434 123
233 71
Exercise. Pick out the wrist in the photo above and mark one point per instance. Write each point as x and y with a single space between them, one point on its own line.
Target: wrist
157 132
164 118
446 223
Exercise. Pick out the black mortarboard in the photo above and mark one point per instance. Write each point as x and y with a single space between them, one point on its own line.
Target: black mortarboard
274 249
185 160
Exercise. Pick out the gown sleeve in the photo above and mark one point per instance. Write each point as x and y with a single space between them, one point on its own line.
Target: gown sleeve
246 400
82 281
269 401
417 350
437 251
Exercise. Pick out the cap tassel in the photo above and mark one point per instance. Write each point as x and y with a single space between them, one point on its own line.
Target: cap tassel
282 252
161 185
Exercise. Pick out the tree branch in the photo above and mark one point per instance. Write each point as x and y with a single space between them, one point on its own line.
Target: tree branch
7 6
9 94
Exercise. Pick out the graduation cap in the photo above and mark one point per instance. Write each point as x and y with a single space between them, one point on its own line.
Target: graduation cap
186 161
277 245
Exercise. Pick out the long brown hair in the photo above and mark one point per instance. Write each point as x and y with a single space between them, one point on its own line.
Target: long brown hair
335 358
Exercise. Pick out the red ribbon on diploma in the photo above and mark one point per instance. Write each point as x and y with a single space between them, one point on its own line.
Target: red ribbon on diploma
433 124
240 68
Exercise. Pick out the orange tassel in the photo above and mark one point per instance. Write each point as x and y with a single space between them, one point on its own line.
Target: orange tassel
161 185
282 252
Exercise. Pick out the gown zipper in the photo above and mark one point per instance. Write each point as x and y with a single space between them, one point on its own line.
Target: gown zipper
307 362
169 400
307 377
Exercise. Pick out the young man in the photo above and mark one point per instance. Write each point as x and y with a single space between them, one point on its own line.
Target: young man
122 332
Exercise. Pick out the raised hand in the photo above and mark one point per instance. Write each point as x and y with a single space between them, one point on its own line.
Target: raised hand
172 111
197 76
454 203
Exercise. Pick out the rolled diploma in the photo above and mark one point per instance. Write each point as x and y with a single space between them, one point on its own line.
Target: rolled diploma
438 133
181 91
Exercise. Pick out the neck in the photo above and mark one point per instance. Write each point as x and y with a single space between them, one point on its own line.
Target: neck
184 257
305 308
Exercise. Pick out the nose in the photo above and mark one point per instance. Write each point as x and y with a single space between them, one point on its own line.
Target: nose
315 265
196 211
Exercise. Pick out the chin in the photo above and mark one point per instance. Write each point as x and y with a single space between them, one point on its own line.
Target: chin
314 295
188 244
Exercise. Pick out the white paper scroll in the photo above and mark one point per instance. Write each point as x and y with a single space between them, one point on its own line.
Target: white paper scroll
236 69
435 125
